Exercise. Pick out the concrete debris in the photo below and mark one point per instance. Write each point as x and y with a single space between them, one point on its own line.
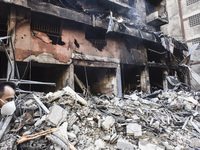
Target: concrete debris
165 120
134 129
144 145
57 115
108 123
124 145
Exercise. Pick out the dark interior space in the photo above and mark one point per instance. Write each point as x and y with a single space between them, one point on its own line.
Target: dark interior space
97 80
180 74
3 65
96 36
156 78
130 78
4 20
43 73
155 56
151 5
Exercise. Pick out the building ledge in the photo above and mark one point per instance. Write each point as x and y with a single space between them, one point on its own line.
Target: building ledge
155 20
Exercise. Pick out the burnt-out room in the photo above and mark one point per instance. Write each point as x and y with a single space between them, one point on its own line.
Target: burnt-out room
3 64
97 80
155 56
130 78
156 78
33 71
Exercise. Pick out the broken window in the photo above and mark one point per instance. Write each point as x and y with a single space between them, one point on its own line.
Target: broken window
194 20
43 73
97 80
197 40
130 78
49 25
190 2
96 36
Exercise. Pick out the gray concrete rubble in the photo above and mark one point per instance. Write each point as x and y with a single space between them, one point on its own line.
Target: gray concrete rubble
167 120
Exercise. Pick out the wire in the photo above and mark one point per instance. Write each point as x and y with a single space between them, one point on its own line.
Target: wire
25 69
161 53
86 78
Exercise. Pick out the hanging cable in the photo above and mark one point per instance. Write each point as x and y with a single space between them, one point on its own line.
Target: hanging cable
30 75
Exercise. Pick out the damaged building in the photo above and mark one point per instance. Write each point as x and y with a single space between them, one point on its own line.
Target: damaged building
184 24
96 46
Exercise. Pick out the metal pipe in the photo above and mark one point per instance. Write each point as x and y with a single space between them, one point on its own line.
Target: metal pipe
1 42
15 64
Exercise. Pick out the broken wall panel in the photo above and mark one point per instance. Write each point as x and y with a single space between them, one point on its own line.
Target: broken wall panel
32 44
131 52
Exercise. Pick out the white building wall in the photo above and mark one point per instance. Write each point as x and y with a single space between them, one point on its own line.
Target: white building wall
174 27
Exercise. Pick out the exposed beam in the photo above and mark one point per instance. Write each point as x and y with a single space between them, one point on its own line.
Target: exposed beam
94 64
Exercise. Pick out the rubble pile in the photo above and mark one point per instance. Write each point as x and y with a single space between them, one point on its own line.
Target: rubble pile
163 120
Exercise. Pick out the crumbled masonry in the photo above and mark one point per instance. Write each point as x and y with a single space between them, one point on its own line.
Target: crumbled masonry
165 120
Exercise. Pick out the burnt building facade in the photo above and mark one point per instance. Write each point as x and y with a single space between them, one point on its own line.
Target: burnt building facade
101 46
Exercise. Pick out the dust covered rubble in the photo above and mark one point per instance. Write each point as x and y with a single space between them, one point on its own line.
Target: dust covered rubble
162 121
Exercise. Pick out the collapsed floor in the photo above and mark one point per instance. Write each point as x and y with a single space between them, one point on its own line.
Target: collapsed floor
158 121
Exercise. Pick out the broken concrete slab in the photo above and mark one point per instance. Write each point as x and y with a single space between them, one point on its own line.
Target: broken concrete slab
57 115
108 123
134 129
167 146
145 145
86 126
100 144
195 142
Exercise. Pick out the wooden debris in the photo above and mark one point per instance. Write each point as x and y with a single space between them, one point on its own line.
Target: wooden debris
33 136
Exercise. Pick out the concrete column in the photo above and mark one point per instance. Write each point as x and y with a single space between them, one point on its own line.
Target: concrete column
144 79
61 78
165 82
118 86
70 76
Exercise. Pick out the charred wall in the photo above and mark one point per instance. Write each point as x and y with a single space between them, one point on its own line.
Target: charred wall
76 40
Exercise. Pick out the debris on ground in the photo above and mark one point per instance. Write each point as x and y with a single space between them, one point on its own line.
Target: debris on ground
166 120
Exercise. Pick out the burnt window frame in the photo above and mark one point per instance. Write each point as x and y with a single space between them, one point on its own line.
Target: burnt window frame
48 24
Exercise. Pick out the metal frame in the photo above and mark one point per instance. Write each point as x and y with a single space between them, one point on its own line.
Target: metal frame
15 68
